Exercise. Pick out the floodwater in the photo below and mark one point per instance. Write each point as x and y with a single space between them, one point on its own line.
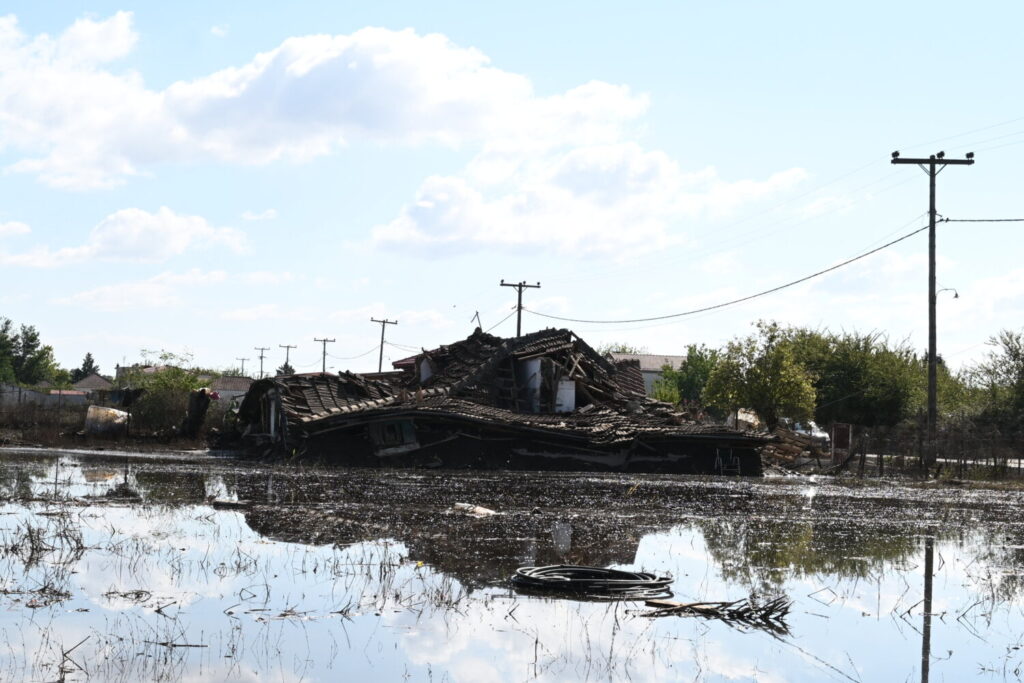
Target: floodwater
130 567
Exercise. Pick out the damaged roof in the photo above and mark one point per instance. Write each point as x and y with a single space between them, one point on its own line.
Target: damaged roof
458 382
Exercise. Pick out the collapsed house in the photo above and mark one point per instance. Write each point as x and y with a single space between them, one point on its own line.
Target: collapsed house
545 400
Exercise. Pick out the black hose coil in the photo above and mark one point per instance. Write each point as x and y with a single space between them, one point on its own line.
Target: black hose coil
595 583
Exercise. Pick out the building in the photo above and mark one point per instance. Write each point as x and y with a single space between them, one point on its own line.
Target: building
651 365
230 386
94 382
545 400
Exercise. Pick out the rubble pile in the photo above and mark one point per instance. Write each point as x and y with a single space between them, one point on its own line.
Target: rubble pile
792 450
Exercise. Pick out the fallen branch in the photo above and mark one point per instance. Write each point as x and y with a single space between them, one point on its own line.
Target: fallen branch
770 615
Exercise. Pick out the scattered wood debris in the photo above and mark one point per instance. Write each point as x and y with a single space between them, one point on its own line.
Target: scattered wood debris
793 450
473 510
769 616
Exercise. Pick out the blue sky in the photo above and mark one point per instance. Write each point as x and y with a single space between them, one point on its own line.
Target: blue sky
213 179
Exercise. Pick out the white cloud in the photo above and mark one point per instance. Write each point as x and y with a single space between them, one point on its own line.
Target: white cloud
558 171
265 215
80 125
14 228
158 292
219 31
270 311
134 235
266 277
606 198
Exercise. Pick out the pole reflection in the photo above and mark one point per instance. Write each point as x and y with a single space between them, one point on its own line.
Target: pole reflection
926 630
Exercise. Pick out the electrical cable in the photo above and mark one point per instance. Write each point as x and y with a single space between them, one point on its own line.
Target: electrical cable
595 583
735 301
403 347
981 220
375 348
502 320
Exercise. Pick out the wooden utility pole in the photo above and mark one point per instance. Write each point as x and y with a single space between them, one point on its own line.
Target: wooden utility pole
243 365
287 349
325 342
261 349
519 287
383 325
933 165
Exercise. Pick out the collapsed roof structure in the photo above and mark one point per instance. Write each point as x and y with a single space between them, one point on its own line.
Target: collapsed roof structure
543 400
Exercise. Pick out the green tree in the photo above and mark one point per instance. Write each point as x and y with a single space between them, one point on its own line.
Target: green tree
33 361
859 378
88 368
167 379
997 382
7 351
761 372
285 369
687 382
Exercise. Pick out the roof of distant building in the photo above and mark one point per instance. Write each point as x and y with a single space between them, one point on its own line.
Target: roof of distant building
93 382
230 383
650 362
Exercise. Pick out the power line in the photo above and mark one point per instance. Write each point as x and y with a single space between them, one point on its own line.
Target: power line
519 287
503 320
742 299
932 166
261 349
365 353
981 220
403 347
325 342
383 325
287 352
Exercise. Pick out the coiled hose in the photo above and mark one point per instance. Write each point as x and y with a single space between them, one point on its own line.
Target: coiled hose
594 583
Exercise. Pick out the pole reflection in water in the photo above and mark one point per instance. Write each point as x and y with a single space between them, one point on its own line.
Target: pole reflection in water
926 630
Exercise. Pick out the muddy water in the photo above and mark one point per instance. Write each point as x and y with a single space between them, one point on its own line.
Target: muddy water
124 567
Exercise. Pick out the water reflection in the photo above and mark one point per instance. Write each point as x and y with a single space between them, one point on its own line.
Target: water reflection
926 630
314 575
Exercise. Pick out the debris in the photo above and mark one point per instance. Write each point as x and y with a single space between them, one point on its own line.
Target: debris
100 420
473 510
770 615
594 583
545 400
223 504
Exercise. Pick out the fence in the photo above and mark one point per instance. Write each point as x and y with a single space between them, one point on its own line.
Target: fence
960 449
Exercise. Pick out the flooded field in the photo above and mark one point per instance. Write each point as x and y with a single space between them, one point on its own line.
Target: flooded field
130 567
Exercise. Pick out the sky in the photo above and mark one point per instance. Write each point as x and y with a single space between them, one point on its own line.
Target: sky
209 178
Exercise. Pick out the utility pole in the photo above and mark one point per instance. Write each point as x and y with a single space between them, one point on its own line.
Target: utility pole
243 365
383 324
287 349
519 287
261 349
933 165
325 342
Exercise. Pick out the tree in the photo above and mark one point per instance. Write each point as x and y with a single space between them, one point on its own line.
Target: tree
33 362
620 347
88 368
859 378
997 382
167 380
7 351
285 369
761 372
687 382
